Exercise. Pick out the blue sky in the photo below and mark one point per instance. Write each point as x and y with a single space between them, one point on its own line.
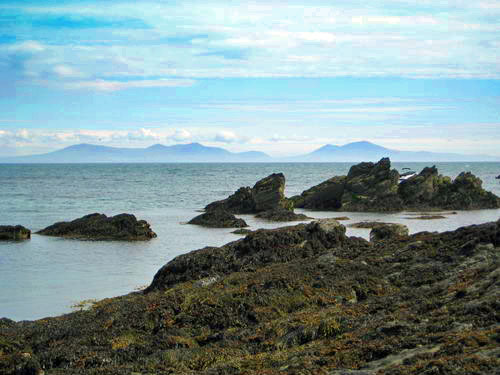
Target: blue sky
275 76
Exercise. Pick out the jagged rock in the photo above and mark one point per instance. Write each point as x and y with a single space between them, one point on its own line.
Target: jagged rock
388 231
97 226
372 187
267 194
281 214
218 218
14 233
375 187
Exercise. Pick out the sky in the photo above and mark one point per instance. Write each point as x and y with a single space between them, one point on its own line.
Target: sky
282 77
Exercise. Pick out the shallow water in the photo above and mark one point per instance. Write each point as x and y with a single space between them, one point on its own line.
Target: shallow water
45 276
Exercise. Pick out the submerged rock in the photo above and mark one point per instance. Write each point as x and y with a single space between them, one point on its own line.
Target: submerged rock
218 218
375 187
368 224
124 227
14 232
242 231
267 194
281 214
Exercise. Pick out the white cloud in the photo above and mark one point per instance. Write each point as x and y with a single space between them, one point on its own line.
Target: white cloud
66 71
30 46
103 85
228 136
181 135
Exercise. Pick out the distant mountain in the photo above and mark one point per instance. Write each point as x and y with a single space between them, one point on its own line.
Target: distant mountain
367 151
192 152
195 152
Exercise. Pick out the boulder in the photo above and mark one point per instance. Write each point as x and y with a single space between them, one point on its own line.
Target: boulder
388 232
97 226
14 233
267 194
218 218
281 214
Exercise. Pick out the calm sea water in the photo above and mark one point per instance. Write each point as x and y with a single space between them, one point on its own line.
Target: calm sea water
45 276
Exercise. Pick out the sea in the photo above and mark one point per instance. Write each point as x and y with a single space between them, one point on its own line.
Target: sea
47 276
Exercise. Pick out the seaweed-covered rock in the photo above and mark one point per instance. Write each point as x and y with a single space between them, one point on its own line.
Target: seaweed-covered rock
281 214
14 232
388 231
265 246
218 218
302 299
124 227
267 194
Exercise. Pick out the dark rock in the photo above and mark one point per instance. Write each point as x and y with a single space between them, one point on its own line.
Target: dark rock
14 233
281 214
295 300
267 194
242 231
375 187
123 227
341 218
264 246
367 224
218 218
325 196
427 217
388 231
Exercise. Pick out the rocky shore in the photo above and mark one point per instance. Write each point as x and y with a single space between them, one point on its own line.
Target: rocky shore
303 299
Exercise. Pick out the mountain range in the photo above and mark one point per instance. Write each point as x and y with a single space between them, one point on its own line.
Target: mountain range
195 152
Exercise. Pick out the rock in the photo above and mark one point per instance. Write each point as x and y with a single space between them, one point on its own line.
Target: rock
388 231
325 196
372 187
123 227
341 218
267 194
367 224
261 247
427 217
14 233
498 177
218 218
295 300
242 231
375 187
281 214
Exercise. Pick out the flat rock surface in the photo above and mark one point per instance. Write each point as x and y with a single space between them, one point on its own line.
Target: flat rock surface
97 226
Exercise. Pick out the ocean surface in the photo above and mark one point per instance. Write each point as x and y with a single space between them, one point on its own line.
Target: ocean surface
45 276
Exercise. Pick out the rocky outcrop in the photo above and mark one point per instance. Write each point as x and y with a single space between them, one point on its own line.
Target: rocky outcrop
302 299
281 214
259 248
375 187
267 194
123 227
388 232
14 233
218 218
